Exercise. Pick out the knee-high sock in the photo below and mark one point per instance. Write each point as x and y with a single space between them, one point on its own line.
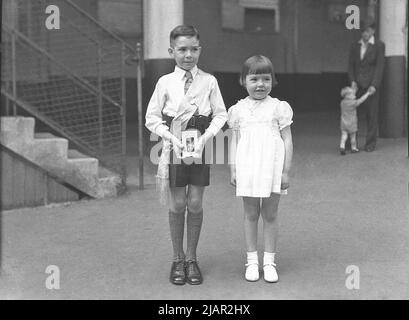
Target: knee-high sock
194 225
177 228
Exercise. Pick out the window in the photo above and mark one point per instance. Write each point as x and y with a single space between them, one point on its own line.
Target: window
256 16
123 17
259 20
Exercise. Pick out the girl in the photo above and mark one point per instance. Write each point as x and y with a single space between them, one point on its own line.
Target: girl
260 151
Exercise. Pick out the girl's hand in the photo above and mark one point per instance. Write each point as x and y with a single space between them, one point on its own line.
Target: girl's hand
371 90
285 182
233 177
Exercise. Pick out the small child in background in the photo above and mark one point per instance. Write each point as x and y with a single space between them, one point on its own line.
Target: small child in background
349 118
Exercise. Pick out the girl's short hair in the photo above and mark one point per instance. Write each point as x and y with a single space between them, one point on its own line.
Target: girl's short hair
346 90
257 64
183 31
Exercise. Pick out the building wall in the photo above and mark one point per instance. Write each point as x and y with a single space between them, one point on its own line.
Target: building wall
310 71
319 63
24 184
323 46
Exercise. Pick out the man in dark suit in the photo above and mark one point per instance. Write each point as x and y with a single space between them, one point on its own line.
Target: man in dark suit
366 64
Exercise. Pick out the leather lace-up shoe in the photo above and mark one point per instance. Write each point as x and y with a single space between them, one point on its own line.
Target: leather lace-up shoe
177 273
193 274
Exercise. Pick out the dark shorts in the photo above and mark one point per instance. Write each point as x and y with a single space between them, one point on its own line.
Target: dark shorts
180 175
183 173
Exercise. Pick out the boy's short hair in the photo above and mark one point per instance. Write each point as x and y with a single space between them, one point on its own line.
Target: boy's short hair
183 31
257 64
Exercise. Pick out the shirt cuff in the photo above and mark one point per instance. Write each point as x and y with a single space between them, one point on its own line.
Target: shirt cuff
213 129
161 129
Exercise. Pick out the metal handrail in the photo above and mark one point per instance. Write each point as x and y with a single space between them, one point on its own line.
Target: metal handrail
83 82
111 97
84 147
78 29
53 125
99 24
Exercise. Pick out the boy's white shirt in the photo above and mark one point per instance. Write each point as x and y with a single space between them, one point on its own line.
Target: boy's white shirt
169 94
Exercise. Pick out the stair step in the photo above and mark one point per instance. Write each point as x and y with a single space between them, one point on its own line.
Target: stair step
106 173
89 166
49 151
102 171
16 128
109 185
46 152
83 173
75 154
44 135
52 153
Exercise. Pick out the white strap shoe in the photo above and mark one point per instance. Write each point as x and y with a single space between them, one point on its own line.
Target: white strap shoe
270 272
252 273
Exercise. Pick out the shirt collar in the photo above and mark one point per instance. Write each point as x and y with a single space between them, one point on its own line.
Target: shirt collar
181 72
371 40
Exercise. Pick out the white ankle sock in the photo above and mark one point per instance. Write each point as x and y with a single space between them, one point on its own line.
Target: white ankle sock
252 257
268 258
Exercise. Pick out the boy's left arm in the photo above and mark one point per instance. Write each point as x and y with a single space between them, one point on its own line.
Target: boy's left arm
288 147
218 110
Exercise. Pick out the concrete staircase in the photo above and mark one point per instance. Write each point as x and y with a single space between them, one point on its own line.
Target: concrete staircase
52 154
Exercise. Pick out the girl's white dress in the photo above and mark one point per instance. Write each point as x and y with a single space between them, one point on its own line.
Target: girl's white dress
260 150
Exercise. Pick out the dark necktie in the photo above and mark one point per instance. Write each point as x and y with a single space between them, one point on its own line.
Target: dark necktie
189 79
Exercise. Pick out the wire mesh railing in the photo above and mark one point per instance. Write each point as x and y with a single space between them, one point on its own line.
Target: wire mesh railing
72 78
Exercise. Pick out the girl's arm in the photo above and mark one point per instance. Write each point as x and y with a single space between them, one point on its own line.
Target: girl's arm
288 148
232 155
362 99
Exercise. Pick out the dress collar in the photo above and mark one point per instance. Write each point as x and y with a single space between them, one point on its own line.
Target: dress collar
255 101
181 72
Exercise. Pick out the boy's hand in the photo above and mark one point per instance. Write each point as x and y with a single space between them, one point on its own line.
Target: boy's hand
285 181
177 145
202 140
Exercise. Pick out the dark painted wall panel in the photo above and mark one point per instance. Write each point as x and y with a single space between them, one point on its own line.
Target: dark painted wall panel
25 185
305 92
18 183
6 180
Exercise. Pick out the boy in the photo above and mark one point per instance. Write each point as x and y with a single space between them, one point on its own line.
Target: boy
192 92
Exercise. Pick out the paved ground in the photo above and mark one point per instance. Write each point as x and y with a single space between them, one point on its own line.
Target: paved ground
340 211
